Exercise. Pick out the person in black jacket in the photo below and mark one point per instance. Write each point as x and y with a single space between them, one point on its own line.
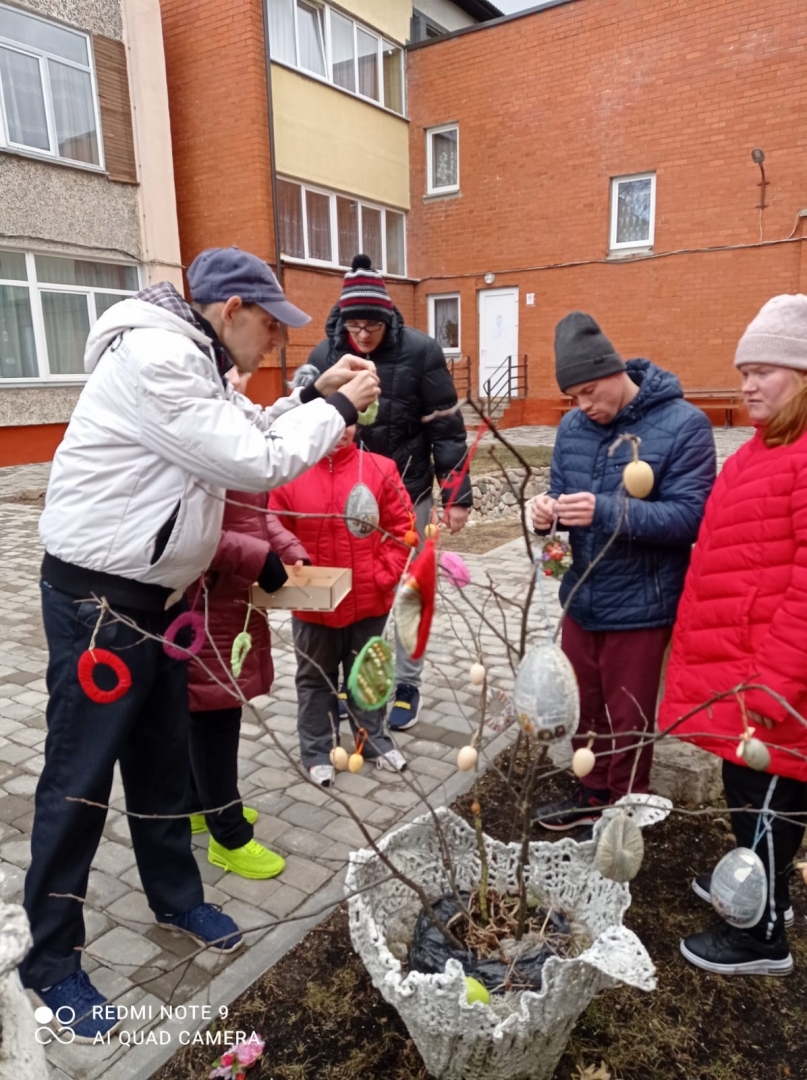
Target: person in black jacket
415 383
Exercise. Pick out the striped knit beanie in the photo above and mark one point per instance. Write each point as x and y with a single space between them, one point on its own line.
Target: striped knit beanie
364 294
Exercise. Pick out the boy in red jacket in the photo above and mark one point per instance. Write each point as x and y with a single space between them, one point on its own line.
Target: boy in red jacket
325 640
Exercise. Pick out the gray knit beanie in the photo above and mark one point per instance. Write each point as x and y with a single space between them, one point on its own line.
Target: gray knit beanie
583 352
778 335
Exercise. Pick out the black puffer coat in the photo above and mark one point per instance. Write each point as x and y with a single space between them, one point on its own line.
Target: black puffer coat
414 383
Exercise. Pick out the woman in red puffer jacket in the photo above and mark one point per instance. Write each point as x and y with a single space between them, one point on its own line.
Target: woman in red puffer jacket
253 547
327 640
742 625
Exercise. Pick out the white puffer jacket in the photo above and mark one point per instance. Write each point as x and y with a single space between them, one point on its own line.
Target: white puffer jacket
155 438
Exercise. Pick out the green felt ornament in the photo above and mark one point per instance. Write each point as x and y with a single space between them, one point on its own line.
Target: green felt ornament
241 646
369 415
372 677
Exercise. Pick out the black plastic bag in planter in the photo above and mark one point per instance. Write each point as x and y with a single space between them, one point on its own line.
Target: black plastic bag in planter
430 951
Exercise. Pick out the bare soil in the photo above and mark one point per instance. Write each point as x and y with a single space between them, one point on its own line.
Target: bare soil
323 1020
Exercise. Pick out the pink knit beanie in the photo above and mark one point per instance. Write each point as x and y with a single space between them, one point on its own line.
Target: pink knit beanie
778 335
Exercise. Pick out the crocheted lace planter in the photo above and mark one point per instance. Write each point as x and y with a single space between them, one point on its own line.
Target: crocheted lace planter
520 1035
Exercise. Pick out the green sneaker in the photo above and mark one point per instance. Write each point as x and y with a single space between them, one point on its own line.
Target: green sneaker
252 860
199 825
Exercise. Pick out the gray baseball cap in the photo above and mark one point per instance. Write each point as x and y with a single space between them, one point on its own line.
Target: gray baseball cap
219 273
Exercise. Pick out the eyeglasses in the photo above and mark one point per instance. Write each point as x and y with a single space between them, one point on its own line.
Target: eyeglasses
367 327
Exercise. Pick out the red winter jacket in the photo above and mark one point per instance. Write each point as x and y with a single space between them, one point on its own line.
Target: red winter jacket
248 535
377 561
743 612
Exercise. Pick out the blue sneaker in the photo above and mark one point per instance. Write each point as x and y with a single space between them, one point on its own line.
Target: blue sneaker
71 1004
206 924
405 708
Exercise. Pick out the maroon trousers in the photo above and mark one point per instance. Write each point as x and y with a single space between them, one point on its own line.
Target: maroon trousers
618 672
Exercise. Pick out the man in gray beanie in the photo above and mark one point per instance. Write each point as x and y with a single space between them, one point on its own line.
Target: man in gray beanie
619 620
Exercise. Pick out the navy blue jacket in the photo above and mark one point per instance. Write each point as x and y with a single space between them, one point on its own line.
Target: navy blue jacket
638 582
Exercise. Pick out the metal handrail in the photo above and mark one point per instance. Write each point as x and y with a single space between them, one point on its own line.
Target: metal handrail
509 380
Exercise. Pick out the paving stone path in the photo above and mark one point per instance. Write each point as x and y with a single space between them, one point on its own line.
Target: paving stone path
129 957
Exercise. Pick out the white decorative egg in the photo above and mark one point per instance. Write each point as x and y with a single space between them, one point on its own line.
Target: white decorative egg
361 511
739 888
467 758
545 695
620 849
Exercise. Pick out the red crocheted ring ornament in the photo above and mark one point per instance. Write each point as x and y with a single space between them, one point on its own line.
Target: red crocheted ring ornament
196 622
87 663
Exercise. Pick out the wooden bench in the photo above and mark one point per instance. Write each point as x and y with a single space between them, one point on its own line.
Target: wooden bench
727 401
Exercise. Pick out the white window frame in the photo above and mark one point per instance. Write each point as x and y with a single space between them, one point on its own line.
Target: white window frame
457 351
632 245
328 52
43 56
448 189
362 203
36 288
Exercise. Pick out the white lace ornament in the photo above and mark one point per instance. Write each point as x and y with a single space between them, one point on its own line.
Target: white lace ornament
520 1035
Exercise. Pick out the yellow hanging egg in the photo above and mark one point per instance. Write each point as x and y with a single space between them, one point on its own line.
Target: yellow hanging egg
582 762
339 758
355 762
466 758
430 532
477 674
637 476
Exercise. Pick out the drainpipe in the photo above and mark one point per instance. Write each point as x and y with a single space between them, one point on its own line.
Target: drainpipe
272 169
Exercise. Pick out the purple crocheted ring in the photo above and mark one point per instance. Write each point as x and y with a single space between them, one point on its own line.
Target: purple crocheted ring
193 619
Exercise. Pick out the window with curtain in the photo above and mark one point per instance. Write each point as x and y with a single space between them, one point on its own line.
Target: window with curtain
396 252
393 77
444 322
367 48
318 214
290 215
371 234
281 31
48 304
314 37
633 206
343 52
327 227
347 224
442 159
49 101
310 37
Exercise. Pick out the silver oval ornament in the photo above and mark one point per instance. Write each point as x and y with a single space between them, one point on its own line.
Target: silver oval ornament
546 699
739 888
620 849
361 511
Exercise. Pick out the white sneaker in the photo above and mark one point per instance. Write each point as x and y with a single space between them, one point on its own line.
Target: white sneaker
392 761
322 774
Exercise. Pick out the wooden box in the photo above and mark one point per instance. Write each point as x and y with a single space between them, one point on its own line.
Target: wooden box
309 588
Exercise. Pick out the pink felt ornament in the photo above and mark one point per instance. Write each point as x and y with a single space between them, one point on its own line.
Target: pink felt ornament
455 569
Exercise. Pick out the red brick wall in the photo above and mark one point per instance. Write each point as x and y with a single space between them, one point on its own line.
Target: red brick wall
219 124
552 105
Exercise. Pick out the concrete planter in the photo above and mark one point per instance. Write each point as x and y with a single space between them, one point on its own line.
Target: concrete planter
520 1035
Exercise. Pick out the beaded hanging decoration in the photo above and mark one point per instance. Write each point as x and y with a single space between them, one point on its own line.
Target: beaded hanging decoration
372 677
89 661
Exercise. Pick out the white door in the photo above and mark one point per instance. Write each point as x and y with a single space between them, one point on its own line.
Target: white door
498 338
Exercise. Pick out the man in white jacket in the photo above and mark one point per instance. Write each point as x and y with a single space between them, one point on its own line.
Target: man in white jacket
132 516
